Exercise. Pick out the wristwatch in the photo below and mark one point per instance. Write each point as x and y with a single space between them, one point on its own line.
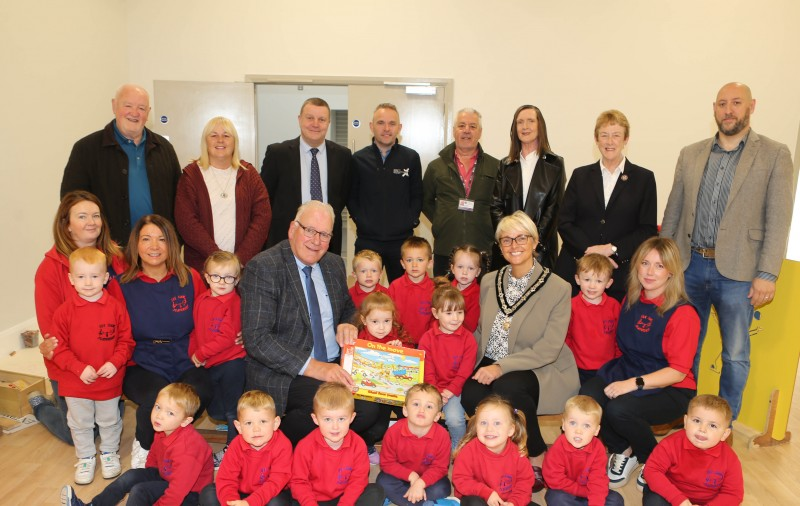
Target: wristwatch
639 383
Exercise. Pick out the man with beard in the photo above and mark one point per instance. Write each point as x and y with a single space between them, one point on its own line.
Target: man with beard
457 192
729 212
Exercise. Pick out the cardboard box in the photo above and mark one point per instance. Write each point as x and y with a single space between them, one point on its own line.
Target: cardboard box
381 372
14 390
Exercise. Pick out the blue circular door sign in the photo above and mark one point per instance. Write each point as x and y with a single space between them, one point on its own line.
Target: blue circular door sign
356 123
164 119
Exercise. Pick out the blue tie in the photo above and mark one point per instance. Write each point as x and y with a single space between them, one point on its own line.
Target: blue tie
316 180
320 349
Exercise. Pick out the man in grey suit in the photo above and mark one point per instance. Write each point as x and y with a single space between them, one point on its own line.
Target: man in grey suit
296 313
729 212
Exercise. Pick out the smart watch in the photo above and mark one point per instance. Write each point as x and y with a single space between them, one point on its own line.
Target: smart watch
639 383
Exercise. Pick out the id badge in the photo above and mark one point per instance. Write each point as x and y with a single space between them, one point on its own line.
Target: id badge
466 205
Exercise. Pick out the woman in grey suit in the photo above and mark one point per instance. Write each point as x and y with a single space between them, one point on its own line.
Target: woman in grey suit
524 316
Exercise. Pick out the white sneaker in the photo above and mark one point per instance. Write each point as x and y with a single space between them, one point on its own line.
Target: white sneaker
218 457
640 481
620 468
109 465
84 472
138 455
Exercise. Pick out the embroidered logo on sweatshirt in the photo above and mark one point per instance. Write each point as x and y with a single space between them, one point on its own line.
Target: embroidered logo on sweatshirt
644 323
107 332
428 459
179 304
343 475
215 325
713 479
506 483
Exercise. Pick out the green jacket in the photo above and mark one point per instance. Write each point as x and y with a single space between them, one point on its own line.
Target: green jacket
442 189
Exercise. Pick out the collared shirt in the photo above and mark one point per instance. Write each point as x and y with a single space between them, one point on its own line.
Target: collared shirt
527 164
384 155
325 309
305 170
139 200
715 188
467 173
610 177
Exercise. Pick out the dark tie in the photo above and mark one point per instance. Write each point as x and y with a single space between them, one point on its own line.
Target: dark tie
316 180
320 349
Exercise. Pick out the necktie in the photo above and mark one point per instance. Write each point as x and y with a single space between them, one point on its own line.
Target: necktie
316 180
320 349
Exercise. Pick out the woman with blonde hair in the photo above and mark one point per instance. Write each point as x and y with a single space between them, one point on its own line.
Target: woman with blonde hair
651 383
221 203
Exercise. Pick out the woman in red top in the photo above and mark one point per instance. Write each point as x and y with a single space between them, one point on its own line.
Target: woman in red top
79 222
221 203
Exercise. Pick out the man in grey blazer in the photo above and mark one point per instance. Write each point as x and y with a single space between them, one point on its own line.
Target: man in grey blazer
729 212
291 348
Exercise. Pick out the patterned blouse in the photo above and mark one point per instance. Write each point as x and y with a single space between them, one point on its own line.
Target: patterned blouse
497 347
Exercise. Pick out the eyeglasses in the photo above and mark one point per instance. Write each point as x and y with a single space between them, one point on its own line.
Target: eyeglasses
311 232
520 239
216 278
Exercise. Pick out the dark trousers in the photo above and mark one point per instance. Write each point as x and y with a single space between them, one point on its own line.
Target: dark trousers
389 252
297 423
650 498
521 389
144 486
208 497
561 498
627 419
142 387
227 379
441 265
378 430
373 495
395 488
474 500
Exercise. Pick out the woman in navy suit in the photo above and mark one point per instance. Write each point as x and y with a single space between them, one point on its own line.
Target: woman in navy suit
609 206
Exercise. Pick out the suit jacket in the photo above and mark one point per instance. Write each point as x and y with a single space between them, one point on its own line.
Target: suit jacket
626 222
545 193
281 174
276 326
535 338
754 228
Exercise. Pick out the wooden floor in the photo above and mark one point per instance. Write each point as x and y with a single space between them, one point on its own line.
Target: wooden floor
36 465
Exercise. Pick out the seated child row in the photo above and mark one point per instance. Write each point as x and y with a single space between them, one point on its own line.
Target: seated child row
491 466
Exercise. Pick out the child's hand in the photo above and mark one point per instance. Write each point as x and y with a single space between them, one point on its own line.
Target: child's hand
108 370
240 341
237 503
395 342
89 375
446 395
494 500
416 492
47 346
413 477
196 361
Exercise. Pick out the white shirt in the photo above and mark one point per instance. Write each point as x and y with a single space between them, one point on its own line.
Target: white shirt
610 178
305 170
223 210
528 164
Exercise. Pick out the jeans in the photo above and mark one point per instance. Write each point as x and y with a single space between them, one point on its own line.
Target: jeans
54 416
474 500
144 486
228 380
561 498
706 287
455 420
208 497
373 495
650 498
395 488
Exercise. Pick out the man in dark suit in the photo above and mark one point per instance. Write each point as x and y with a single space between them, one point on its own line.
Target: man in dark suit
132 170
609 206
307 168
294 320
729 212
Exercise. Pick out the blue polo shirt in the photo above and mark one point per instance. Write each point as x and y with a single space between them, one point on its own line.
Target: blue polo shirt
139 199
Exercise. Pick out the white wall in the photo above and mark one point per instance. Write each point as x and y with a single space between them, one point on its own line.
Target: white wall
62 62
659 62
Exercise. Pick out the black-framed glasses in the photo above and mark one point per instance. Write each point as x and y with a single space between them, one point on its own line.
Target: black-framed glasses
520 239
310 232
216 278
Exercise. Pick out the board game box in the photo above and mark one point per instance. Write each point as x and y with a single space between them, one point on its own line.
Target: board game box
381 372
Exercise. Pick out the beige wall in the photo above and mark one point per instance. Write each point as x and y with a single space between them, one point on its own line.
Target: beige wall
659 62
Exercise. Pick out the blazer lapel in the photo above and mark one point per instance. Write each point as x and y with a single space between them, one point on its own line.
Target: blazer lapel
596 180
293 170
296 284
623 183
744 166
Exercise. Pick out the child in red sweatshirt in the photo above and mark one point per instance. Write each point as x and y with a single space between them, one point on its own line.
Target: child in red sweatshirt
367 268
258 463
178 466
491 463
94 344
694 466
416 451
212 343
412 292
450 351
575 466
465 265
331 464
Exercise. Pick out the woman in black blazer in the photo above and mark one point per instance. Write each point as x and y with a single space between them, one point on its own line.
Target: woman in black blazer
531 179
609 207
